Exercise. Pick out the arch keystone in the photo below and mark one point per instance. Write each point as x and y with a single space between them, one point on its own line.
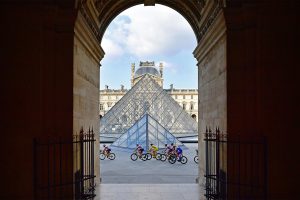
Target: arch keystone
149 2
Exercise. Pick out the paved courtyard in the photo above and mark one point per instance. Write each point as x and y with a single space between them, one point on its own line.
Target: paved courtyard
123 170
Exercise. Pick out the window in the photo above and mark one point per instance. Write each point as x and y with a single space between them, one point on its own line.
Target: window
192 106
183 97
101 106
184 106
194 116
191 96
108 97
175 96
109 104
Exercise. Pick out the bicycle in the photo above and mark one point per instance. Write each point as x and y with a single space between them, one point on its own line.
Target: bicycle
164 155
158 156
109 155
134 156
174 157
196 157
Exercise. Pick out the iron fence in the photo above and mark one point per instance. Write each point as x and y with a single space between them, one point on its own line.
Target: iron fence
236 166
64 167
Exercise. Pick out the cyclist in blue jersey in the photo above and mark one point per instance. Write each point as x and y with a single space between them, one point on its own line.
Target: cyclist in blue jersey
179 153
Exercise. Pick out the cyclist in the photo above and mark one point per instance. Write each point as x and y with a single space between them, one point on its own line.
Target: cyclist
173 147
179 153
153 150
106 150
168 149
139 149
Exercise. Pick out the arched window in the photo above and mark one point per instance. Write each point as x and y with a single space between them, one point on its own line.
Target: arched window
192 106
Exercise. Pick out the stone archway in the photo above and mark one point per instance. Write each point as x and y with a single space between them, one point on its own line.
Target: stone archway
47 79
208 24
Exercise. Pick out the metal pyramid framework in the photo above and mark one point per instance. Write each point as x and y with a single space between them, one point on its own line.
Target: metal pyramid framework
147 96
146 131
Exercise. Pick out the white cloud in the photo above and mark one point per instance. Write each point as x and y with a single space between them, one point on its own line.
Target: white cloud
111 48
167 66
148 31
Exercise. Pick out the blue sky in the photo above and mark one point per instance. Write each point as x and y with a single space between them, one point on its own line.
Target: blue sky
153 33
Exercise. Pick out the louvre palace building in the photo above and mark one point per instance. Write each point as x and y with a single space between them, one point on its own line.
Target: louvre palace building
186 98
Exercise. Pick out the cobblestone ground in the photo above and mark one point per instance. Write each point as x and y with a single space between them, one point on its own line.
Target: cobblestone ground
124 170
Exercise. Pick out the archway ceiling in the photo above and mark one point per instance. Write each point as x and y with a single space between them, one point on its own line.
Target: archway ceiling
191 10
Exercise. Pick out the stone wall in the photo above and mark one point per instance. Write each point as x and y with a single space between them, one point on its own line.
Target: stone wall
211 56
87 56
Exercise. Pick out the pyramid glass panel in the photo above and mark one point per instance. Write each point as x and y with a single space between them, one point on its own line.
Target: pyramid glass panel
147 96
150 132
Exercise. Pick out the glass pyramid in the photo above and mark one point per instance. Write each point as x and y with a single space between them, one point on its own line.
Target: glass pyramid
146 131
147 96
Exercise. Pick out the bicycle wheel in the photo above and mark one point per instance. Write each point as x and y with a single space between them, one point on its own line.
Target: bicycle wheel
111 156
163 157
184 160
172 159
196 159
144 157
134 156
158 156
102 156
149 156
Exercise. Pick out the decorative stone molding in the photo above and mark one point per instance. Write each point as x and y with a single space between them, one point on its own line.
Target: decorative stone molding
218 5
212 36
88 39
86 13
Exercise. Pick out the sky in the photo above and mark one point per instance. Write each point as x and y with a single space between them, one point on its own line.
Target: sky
152 33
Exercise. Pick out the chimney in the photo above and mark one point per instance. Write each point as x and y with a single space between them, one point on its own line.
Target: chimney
122 87
106 87
161 67
171 87
132 73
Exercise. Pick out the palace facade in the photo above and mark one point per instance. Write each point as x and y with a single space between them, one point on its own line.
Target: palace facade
186 98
